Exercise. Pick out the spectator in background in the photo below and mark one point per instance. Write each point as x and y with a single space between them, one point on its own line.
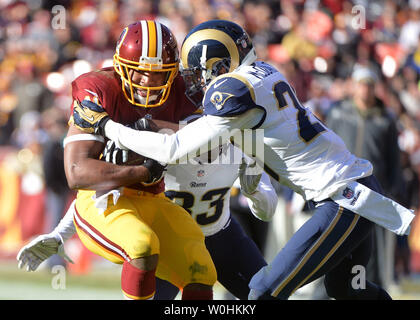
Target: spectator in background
320 102
370 132
32 95
8 102
409 93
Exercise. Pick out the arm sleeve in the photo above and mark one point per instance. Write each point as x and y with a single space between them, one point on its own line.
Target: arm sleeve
196 138
263 202
65 228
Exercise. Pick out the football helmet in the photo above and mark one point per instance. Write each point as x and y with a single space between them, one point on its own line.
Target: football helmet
146 46
210 48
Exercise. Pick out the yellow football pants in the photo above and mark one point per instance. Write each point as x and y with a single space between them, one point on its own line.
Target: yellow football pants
141 224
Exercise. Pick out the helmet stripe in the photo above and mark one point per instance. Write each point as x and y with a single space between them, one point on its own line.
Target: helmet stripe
159 39
210 34
145 38
152 38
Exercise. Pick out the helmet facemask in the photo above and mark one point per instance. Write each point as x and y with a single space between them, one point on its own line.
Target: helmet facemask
155 96
198 77
147 47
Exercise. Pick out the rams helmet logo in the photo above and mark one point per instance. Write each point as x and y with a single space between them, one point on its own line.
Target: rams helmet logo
219 98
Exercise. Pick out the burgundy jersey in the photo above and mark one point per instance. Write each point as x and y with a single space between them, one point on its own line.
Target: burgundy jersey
104 87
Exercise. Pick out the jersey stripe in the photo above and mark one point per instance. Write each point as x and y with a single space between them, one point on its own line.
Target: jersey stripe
327 241
331 252
308 254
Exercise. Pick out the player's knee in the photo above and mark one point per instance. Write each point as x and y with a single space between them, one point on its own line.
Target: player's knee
144 244
146 263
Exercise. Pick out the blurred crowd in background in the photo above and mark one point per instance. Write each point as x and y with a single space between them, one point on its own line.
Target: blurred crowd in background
316 44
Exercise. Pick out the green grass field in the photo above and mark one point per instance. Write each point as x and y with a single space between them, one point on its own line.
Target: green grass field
16 284
103 283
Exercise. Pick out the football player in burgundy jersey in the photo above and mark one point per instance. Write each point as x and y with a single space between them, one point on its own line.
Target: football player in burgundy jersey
135 224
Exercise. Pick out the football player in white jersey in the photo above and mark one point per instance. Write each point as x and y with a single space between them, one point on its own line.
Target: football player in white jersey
203 189
298 151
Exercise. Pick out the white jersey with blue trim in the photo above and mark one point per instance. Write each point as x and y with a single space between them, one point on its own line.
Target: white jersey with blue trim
303 154
203 188
298 150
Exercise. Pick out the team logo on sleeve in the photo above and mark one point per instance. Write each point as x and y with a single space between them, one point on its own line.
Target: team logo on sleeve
219 98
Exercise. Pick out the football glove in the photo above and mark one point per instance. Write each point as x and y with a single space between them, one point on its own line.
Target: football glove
144 124
113 154
156 170
90 117
40 249
249 177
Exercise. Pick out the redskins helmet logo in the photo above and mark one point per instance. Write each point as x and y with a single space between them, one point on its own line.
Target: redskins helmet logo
121 40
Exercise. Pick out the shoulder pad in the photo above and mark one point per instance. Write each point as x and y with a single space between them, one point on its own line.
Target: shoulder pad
99 86
229 95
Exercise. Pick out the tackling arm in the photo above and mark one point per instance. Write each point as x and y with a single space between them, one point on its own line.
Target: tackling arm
196 138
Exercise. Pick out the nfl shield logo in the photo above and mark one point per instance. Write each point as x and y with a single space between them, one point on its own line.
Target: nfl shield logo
200 173
348 193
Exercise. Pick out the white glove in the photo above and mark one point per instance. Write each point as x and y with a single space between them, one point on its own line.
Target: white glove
249 177
40 249
113 154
